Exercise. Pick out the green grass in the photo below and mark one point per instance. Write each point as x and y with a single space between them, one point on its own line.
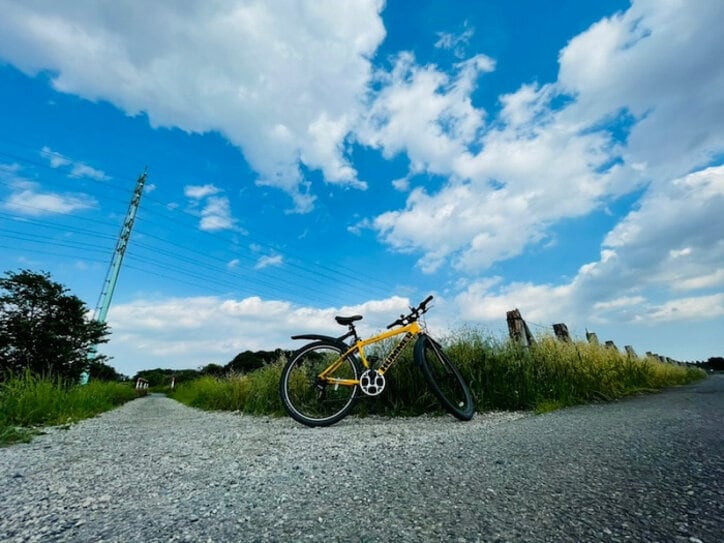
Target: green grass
552 374
256 392
29 402
502 376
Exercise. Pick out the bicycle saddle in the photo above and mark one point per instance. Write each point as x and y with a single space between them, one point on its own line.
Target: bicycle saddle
348 320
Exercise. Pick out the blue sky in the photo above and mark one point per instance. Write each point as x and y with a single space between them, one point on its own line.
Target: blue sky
307 159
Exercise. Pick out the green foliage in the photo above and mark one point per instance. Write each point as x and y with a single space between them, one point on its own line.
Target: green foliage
256 392
161 378
250 361
502 376
29 401
99 371
213 369
44 329
552 374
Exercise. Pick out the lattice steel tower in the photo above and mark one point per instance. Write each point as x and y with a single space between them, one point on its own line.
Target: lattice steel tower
109 285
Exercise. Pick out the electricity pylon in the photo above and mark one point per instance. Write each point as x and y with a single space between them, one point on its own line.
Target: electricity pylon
109 285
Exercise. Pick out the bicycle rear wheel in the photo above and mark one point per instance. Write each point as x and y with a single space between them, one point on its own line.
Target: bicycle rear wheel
444 379
307 398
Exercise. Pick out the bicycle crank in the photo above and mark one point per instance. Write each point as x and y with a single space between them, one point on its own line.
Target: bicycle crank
372 382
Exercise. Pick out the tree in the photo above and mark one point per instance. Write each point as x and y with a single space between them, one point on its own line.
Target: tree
162 377
214 370
99 371
245 362
250 361
44 328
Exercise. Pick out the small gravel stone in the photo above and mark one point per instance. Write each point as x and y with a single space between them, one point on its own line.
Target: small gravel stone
644 469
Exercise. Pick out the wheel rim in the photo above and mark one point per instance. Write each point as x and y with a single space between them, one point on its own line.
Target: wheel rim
311 399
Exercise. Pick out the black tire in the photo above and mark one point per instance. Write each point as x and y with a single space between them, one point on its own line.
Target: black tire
306 399
444 379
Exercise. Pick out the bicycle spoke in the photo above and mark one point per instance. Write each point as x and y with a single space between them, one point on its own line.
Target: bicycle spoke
311 399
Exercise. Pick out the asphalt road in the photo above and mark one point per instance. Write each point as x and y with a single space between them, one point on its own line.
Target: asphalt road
648 468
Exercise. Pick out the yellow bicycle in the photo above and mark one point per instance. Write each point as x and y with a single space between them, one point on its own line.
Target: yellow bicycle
322 380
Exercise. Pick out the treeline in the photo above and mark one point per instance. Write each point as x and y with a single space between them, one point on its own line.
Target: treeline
714 363
242 363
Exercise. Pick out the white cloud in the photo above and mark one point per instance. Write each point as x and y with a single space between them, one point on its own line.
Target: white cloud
28 199
425 113
198 192
624 301
284 81
537 303
660 62
267 261
674 236
56 159
535 167
457 43
538 161
78 169
639 278
83 170
146 332
216 215
215 210
687 309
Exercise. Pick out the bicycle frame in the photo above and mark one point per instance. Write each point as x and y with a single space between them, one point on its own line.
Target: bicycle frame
411 331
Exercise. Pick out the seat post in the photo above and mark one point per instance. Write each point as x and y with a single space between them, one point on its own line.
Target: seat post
353 331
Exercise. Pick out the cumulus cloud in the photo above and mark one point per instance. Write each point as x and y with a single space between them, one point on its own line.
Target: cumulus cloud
675 235
687 309
27 198
216 215
638 278
215 209
659 62
425 113
216 329
283 80
532 171
197 192
623 114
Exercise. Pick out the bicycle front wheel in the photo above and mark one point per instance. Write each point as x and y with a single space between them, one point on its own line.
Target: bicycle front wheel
444 379
307 397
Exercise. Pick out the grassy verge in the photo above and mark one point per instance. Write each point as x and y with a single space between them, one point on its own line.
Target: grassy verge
552 374
502 376
28 402
256 392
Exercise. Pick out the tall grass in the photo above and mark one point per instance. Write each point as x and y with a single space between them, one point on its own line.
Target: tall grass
256 392
502 376
552 374
29 401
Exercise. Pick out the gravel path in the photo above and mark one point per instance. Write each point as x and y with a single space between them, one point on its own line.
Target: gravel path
648 468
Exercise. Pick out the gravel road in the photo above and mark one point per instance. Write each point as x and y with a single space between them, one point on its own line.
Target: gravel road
648 468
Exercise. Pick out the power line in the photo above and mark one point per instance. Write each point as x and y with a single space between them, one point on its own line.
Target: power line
295 267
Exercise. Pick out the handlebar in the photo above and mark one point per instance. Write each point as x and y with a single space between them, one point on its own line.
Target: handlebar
413 315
